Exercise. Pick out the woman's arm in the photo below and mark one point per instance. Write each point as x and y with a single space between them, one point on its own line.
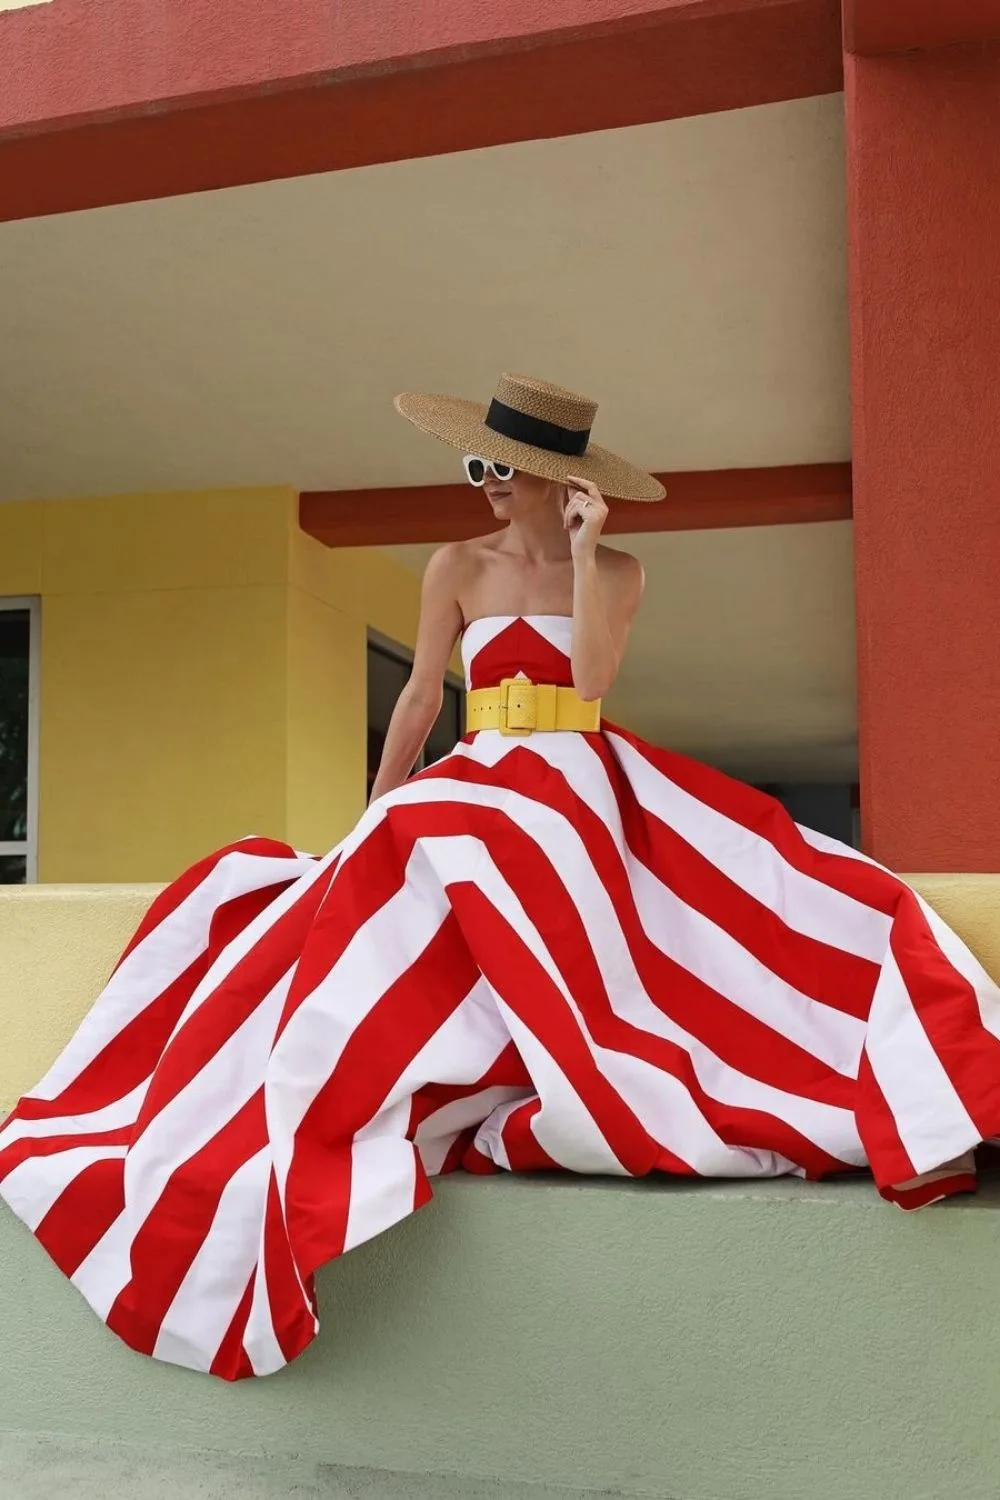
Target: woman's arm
420 701
604 600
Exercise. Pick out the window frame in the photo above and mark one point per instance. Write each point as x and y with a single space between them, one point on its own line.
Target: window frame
28 847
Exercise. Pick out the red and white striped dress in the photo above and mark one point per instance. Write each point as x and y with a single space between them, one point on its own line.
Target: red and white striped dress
566 951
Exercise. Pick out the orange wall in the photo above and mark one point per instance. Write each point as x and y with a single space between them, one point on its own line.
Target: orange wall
924 202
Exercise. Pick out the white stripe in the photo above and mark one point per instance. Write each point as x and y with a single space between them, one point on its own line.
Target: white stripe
160 959
703 947
311 1045
204 1107
260 1340
931 1119
968 966
707 951
564 1123
103 1273
955 950
206 1301
384 1167
436 1134
832 1129
489 1141
669 1114
122 1113
803 903
35 1185
461 1050
187 1123
251 935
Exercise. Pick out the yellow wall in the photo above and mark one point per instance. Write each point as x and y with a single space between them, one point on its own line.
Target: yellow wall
203 675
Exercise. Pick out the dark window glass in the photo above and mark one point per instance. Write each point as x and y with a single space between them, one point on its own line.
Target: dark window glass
387 676
15 635
13 869
447 730
388 673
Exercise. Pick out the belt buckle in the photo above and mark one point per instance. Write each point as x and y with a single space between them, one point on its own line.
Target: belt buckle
518 708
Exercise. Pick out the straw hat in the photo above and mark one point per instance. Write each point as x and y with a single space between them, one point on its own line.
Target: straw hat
535 427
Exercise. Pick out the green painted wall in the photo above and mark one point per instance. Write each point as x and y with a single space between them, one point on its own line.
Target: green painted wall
716 1342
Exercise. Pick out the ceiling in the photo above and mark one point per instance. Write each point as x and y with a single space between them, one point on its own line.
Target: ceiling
690 275
742 653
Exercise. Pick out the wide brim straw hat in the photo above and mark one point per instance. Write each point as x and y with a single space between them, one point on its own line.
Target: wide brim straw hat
536 427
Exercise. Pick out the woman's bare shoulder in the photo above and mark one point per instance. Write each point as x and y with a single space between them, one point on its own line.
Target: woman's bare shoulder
623 576
618 565
460 560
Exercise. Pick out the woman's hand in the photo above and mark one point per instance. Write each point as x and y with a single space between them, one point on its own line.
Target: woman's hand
584 516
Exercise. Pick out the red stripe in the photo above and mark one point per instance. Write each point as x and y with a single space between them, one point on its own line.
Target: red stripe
884 1150
178 891
222 1012
231 1361
82 1214
930 1192
730 1032
521 981
523 1151
363 883
401 1022
478 1163
506 1071
132 1055
173 1232
762 814
519 647
293 1310
462 1143
703 1013
50 1145
820 970
946 1005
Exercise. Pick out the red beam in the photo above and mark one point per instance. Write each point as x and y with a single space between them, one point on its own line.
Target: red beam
110 101
695 502
874 27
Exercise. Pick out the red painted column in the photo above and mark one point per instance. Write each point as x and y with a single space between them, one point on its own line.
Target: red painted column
924 203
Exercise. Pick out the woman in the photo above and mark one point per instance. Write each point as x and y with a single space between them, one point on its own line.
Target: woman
558 947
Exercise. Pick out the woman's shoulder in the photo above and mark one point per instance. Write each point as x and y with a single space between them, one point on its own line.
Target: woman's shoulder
458 562
618 563
470 553
622 573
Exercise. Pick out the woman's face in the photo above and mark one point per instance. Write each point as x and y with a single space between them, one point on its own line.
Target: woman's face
518 496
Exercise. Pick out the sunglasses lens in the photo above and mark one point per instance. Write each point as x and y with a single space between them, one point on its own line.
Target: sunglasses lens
476 470
503 471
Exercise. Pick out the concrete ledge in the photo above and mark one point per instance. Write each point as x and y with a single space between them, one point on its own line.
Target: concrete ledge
703 1342
713 1341
59 942
37 1468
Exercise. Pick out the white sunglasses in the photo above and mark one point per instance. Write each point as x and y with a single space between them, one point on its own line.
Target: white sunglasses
475 470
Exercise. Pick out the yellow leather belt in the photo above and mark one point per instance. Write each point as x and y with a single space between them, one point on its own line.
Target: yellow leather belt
518 706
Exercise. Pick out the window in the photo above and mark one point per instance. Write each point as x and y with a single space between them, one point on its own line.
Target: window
18 741
826 807
389 667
